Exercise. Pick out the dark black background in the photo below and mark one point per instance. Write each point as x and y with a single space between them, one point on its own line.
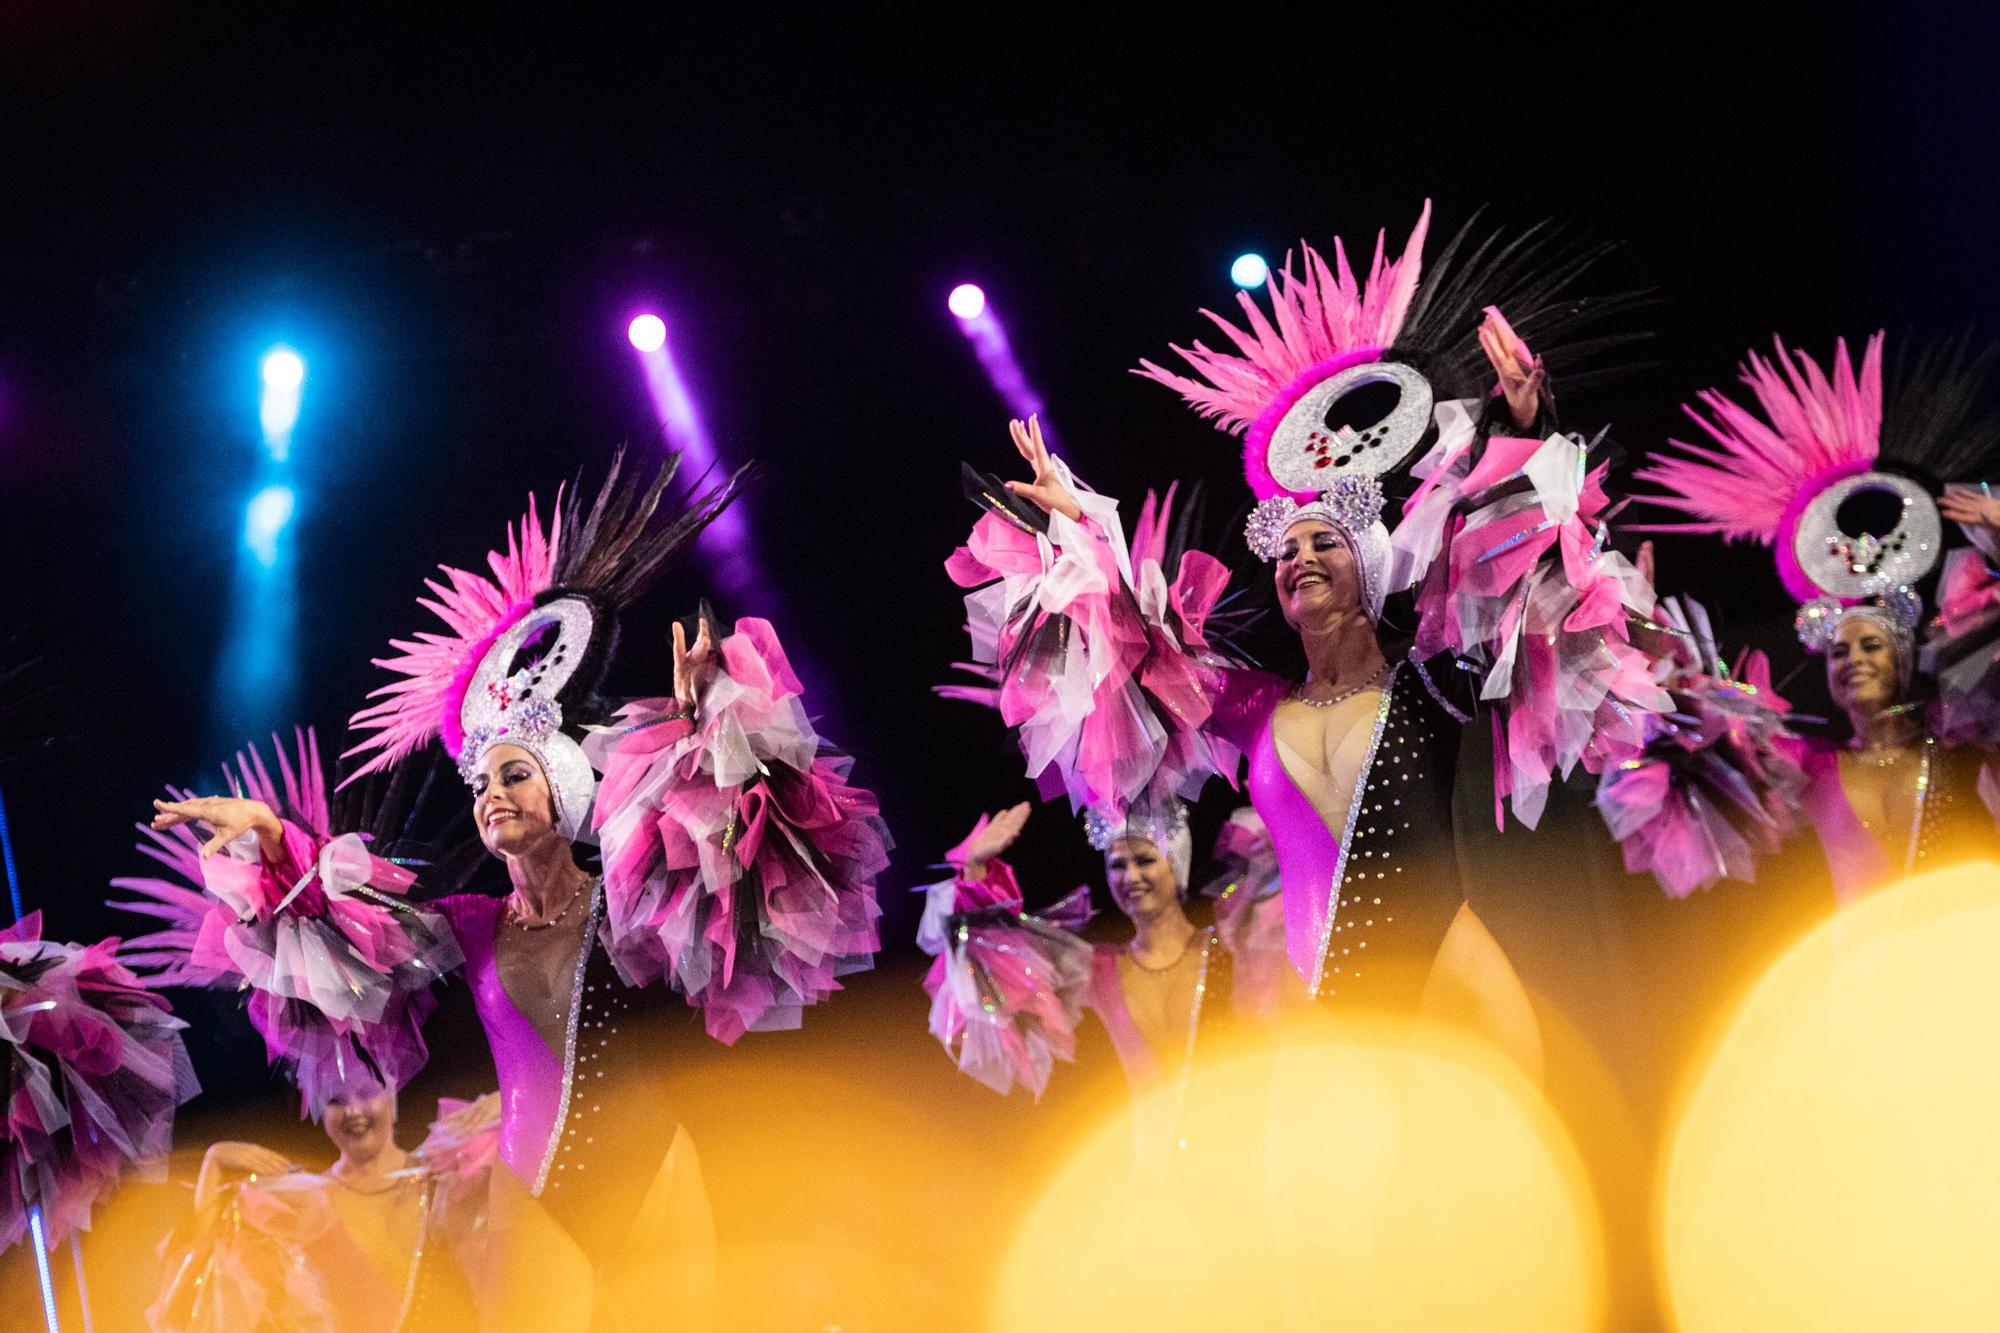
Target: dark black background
454 223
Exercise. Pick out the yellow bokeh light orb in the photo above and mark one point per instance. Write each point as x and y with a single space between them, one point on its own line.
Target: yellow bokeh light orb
1837 1162
1376 1182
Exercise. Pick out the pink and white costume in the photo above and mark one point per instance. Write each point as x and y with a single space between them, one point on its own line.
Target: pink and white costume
738 863
1799 473
1104 667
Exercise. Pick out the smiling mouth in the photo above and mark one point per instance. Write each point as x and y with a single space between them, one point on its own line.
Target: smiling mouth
355 1126
500 817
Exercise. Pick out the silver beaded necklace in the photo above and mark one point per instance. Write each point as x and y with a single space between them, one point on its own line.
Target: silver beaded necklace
1299 691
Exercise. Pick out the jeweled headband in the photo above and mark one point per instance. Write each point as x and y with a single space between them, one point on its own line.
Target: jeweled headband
1352 506
1164 825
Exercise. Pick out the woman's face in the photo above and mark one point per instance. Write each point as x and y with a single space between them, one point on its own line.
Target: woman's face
1861 666
361 1122
511 801
1317 576
1142 881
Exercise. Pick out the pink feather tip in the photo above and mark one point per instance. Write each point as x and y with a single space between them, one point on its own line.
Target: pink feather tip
1761 471
434 669
1319 318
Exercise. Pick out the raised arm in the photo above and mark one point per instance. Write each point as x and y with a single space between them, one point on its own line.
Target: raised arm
337 967
1091 648
739 862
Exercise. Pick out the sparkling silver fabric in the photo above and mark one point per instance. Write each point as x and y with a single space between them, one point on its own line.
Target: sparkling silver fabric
1855 565
1304 455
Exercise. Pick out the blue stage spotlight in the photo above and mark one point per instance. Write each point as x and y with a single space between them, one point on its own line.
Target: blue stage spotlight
284 376
1249 270
270 510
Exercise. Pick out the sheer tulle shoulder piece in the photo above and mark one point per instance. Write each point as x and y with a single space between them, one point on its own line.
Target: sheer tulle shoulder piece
337 966
739 861
1008 986
1719 780
97 1068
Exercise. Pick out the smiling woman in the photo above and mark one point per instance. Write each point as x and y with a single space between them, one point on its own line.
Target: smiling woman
273 1244
738 869
1101 653
1837 470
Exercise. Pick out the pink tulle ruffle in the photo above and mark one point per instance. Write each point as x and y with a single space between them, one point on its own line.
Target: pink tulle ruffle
1531 595
739 863
96 1069
338 968
1008 987
1096 659
1718 783
1962 651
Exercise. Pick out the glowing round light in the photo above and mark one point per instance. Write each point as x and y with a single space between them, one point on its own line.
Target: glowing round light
966 301
1835 1165
1443 1160
1249 270
284 370
648 333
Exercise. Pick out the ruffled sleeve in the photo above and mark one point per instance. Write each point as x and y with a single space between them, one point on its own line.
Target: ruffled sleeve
96 1068
339 968
739 862
1008 987
1097 658
1719 780
1529 595
1962 650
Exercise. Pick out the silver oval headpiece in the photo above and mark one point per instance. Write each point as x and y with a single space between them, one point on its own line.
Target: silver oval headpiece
505 706
1862 564
1304 456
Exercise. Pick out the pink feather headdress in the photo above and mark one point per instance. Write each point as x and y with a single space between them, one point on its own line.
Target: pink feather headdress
1321 323
436 668
1757 479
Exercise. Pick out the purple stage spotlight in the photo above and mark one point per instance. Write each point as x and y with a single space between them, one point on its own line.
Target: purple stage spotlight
726 543
648 333
966 301
996 355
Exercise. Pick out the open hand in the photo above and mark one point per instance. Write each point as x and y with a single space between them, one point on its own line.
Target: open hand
1047 489
1974 506
995 838
1518 369
227 818
689 662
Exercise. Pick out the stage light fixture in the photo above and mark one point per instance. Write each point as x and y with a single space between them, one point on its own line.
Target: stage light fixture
966 301
1249 270
648 333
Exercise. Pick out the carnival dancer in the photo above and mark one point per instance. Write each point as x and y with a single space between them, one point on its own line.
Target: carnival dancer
273 1245
1346 388
738 869
1841 480
1009 986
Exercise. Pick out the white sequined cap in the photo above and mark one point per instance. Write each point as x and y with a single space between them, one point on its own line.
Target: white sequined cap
1164 825
509 706
1353 504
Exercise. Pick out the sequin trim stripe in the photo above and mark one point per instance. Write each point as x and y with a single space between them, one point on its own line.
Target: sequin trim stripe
1347 834
1923 800
569 1037
428 1201
1424 675
1194 1027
